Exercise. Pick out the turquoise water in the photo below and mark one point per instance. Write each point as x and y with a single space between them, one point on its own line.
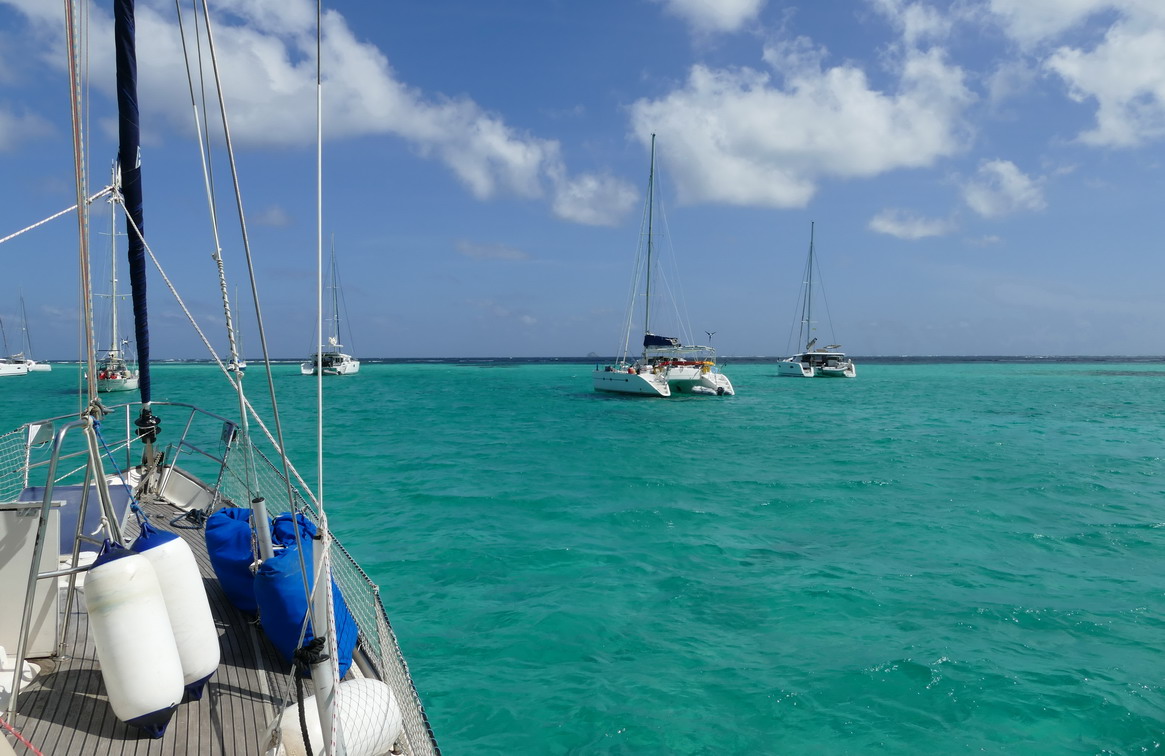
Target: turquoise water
929 559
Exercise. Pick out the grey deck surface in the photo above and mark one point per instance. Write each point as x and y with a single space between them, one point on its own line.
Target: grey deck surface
65 710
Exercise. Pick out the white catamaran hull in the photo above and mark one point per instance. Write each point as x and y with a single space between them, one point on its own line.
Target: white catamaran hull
348 366
794 368
8 369
693 379
629 380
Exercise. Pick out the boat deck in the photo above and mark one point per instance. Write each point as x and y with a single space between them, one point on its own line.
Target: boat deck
65 710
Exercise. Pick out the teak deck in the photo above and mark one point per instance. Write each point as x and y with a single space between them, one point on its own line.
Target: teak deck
65 711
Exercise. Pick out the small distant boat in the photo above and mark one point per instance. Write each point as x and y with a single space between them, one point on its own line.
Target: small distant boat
23 358
666 366
819 362
330 358
9 369
14 365
114 373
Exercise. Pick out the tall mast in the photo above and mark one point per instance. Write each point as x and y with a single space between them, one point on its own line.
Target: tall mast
114 346
650 211
335 299
807 316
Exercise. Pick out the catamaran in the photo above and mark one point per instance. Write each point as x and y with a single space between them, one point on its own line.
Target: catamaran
14 365
23 357
133 568
814 361
330 358
665 366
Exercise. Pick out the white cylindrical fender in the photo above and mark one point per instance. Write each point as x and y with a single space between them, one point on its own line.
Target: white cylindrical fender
187 606
135 646
370 720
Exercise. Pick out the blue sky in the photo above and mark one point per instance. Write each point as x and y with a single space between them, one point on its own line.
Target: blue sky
985 175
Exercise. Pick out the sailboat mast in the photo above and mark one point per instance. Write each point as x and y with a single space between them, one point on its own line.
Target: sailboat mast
113 345
335 300
807 318
650 219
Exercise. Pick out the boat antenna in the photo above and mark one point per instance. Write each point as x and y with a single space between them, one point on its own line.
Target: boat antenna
650 211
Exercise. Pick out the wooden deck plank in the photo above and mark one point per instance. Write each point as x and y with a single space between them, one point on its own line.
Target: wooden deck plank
65 711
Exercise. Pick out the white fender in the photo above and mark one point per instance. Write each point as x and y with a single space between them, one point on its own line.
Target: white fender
370 721
187 606
135 646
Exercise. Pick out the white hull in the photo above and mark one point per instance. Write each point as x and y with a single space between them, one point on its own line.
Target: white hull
345 365
622 380
694 379
109 385
9 369
794 368
39 367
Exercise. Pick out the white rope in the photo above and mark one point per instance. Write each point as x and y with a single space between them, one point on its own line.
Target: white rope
53 217
223 368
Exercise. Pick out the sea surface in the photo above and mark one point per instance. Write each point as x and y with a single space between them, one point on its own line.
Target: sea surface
955 557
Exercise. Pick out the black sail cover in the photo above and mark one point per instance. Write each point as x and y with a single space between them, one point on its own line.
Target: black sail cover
129 161
651 340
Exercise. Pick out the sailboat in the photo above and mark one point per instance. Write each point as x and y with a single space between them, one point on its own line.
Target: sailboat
133 566
114 373
330 358
665 366
14 365
23 357
814 361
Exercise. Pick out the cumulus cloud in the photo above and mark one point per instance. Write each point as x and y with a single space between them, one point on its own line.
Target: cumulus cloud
739 137
907 225
1033 21
1125 75
1123 72
714 15
267 50
916 22
489 251
999 188
593 200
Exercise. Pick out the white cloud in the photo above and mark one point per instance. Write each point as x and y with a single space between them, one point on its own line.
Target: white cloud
489 251
999 188
273 215
19 127
593 200
916 21
715 15
1123 70
734 136
907 225
266 49
1033 21
1125 75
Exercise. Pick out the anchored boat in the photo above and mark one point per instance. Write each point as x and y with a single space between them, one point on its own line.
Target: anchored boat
181 587
814 361
665 366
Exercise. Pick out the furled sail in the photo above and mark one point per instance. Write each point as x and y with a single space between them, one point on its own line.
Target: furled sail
129 160
651 340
